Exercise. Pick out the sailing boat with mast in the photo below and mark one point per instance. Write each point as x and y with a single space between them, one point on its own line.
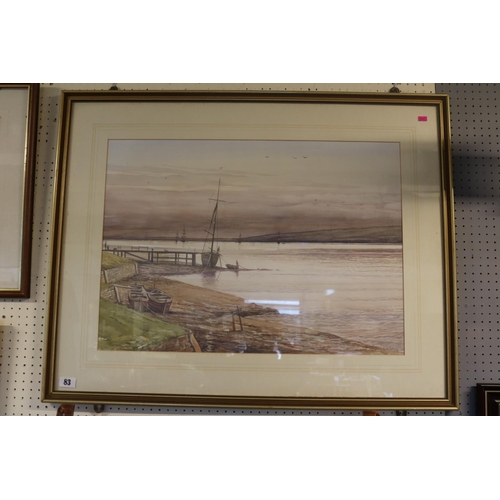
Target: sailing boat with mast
210 257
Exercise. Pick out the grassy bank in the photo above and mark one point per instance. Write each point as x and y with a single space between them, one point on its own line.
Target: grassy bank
124 329
109 261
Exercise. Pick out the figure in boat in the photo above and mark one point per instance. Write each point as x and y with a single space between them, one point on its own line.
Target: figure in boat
210 257
233 267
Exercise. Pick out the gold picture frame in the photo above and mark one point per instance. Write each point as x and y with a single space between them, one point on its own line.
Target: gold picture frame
18 135
253 249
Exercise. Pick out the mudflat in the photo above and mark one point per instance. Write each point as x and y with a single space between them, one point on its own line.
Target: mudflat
224 323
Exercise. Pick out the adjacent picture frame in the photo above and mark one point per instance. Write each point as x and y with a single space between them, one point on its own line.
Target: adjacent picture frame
253 249
18 135
488 400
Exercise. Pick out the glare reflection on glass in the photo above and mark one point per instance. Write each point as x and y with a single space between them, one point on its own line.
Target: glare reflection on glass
275 302
329 292
293 311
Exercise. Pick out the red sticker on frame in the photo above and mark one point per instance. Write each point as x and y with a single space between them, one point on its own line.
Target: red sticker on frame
422 118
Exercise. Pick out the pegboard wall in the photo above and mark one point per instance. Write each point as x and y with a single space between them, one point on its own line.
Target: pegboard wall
475 156
476 179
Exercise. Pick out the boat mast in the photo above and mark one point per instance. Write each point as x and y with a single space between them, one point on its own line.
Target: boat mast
213 224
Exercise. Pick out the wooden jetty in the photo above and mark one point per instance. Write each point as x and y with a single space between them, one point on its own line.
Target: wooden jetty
155 256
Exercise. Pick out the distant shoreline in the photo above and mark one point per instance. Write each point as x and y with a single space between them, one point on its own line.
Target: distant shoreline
369 235
346 245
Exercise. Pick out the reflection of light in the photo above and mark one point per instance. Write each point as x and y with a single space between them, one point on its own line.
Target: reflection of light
329 292
275 302
283 310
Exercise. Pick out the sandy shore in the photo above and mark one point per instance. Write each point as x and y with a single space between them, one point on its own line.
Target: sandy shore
221 322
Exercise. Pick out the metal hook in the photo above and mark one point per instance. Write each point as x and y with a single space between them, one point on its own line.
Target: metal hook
98 408
394 89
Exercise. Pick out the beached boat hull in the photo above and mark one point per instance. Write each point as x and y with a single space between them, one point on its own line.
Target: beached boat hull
137 298
159 302
142 300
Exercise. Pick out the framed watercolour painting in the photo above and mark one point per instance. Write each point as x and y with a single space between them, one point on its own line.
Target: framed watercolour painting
289 250
18 119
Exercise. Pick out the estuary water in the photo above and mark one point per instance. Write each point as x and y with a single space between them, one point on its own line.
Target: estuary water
354 291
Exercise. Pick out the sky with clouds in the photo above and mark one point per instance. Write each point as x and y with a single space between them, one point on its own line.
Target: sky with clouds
158 187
